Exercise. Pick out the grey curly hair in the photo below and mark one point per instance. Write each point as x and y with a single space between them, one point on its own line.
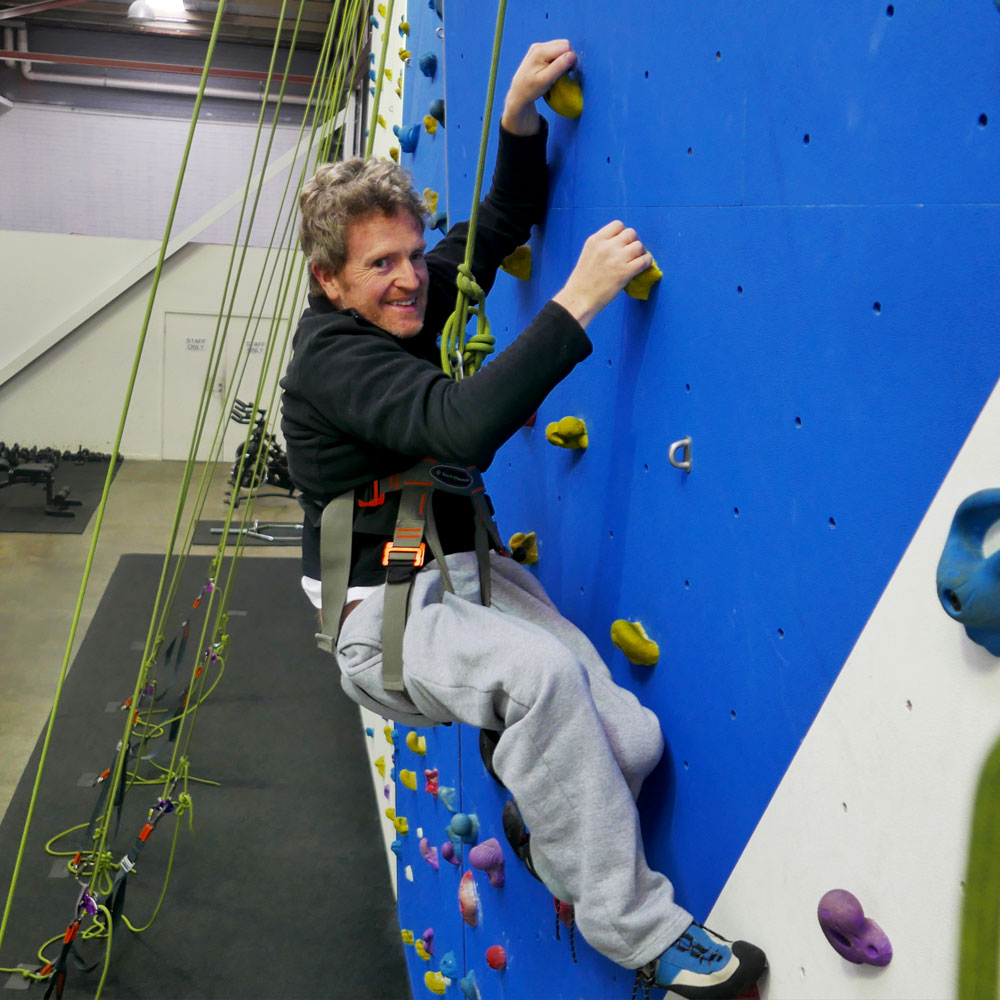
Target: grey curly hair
339 193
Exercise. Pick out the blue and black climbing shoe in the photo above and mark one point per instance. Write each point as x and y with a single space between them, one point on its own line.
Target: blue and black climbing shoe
517 834
701 964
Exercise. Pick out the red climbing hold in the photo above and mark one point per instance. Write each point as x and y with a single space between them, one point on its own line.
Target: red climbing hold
496 957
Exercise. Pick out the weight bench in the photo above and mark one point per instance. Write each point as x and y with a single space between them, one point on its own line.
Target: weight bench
35 474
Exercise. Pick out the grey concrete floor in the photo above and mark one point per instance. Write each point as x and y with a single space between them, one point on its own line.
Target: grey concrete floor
40 585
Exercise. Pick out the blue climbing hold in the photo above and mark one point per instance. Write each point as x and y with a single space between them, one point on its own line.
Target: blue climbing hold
468 986
463 828
437 109
428 64
407 137
437 6
397 847
968 582
369 732
371 75
439 220
373 21
449 966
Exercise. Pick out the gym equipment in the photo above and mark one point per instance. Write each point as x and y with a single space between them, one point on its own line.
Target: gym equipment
271 469
39 473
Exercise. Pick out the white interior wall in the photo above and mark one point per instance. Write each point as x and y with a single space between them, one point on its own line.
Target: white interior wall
73 394
879 798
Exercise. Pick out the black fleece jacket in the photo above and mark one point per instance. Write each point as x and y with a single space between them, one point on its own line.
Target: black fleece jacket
359 403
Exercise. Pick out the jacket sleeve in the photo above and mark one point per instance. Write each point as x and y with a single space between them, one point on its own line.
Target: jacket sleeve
515 202
376 392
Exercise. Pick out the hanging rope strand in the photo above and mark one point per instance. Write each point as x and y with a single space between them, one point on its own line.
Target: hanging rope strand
459 358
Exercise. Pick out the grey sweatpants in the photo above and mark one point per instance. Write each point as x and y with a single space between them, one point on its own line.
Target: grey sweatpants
574 746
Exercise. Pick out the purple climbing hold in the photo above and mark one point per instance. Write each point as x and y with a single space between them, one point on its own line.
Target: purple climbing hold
448 852
852 935
488 857
428 938
429 853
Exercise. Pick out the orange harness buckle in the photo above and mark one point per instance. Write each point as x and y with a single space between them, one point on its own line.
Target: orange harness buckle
416 551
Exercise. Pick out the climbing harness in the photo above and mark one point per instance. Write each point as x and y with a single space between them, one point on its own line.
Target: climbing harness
403 557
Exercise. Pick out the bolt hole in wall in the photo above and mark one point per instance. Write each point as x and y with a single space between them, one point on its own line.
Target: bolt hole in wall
806 139
877 308
798 421
890 10
983 121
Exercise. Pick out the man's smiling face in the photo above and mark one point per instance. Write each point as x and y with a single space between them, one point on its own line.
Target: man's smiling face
385 275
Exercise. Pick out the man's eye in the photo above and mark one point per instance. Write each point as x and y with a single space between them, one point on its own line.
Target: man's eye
380 263
417 255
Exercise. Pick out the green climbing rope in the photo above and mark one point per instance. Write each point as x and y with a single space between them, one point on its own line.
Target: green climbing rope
98 869
373 121
979 942
458 356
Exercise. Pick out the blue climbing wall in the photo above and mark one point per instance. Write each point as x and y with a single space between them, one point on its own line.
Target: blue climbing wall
819 185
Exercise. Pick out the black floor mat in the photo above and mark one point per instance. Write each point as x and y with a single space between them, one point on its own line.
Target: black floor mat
22 506
282 890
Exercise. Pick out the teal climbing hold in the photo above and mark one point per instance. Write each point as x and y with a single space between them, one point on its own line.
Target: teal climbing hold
437 109
469 986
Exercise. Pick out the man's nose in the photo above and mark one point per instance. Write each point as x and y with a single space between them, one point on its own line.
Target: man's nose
407 275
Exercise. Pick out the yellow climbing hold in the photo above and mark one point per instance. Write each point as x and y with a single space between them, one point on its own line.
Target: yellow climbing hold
528 543
405 54
381 9
394 153
431 200
518 263
565 97
420 948
639 287
418 744
381 121
430 124
436 983
408 937
390 813
404 27
402 824
631 639
409 779
388 73
380 766
570 432
399 89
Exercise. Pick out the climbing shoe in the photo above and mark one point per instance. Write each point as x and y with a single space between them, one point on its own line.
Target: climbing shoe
517 834
701 964
488 740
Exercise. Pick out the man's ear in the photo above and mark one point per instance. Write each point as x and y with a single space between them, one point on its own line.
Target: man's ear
329 283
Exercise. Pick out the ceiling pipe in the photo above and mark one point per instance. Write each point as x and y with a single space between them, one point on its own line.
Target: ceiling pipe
36 8
22 55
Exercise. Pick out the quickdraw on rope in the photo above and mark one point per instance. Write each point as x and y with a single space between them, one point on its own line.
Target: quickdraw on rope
458 356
